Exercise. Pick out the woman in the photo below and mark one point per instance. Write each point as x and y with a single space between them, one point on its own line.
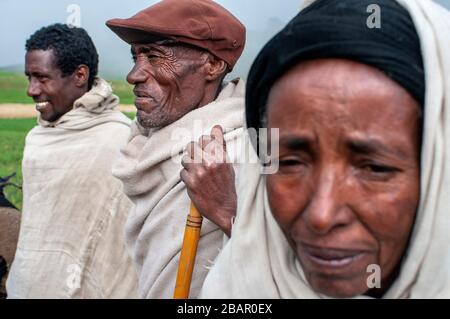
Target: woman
358 206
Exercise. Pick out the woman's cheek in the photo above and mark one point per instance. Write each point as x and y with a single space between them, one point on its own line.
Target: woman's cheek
284 198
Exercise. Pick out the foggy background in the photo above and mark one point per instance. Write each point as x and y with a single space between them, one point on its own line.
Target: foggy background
262 18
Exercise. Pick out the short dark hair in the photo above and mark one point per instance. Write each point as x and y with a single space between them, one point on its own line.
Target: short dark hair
72 46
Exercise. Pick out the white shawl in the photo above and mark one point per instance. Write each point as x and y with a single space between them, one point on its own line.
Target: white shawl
71 237
150 168
257 262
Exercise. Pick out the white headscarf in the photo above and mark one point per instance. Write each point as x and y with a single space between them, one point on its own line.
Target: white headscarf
258 262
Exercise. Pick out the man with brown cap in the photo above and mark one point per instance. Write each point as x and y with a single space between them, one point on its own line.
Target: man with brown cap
182 51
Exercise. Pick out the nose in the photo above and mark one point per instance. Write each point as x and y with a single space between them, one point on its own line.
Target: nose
33 88
137 74
328 206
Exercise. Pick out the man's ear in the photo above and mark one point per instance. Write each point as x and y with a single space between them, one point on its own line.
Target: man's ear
81 75
215 68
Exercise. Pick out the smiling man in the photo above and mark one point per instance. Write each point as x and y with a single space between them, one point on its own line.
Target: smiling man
53 98
70 242
182 51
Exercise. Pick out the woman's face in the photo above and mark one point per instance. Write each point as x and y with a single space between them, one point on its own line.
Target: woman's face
347 189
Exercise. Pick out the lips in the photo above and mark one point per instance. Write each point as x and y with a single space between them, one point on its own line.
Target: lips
141 94
42 105
143 103
332 257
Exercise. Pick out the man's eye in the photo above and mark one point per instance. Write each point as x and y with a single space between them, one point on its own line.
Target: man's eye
152 57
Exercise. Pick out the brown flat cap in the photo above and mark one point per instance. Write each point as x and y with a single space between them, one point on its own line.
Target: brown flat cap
202 23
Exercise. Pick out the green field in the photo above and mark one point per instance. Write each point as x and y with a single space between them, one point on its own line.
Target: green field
13 89
12 140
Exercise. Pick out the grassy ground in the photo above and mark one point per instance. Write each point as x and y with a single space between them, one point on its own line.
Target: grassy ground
13 89
123 90
12 140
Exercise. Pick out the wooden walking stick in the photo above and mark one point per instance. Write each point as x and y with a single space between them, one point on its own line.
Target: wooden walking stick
188 253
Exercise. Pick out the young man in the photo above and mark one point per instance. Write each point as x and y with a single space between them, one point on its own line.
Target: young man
70 242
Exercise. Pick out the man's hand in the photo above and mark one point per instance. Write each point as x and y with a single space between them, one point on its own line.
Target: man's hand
210 179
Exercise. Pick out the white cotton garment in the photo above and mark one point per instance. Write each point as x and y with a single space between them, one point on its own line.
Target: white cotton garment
149 168
257 261
71 242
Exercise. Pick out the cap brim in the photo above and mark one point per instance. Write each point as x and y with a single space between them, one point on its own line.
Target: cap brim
133 34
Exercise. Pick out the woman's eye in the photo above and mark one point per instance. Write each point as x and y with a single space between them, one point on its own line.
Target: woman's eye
380 169
291 166
289 162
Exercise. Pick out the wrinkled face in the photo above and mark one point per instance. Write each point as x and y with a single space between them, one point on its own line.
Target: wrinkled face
347 189
169 81
53 93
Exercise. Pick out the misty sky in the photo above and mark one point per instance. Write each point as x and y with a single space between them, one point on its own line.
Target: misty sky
263 18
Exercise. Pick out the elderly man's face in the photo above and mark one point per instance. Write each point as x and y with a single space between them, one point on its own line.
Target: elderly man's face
168 80
53 93
347 189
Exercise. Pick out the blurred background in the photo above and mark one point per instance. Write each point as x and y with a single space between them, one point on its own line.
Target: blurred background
263 18
21 18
